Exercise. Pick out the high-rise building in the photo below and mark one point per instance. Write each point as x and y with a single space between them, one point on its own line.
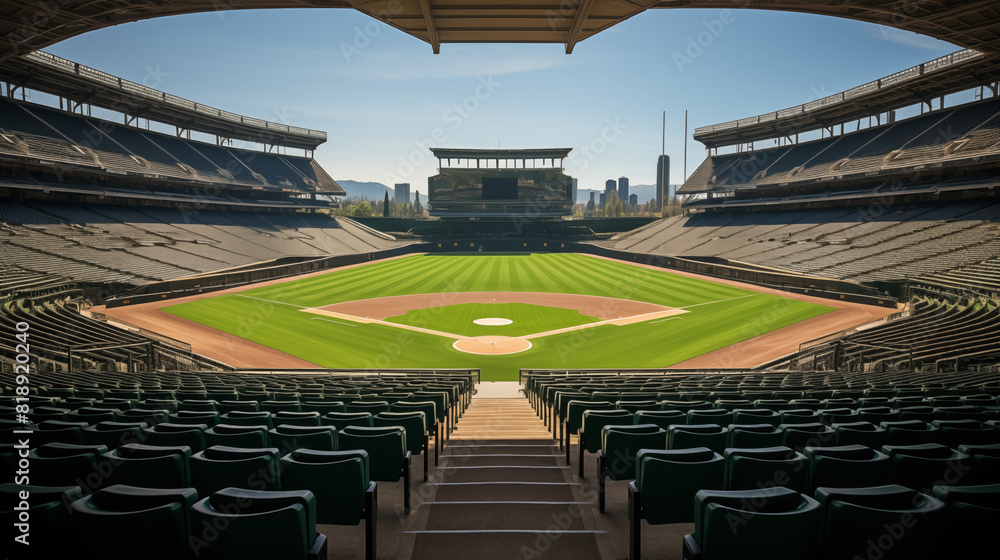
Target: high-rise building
633 200
604 199
402 192
623 189
575 190
610 185
662 179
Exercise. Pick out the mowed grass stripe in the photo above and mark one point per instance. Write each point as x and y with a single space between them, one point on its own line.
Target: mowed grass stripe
661 287
584 283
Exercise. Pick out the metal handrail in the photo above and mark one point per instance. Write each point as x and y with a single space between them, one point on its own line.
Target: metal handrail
891 80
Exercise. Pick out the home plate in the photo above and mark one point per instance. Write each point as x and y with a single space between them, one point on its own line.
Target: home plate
492 345
493 321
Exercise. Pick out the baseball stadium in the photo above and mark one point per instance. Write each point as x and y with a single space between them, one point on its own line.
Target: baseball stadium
205 356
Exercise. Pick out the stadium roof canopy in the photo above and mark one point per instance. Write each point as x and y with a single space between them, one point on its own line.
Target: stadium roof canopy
477 153
960 71
46 72
28 25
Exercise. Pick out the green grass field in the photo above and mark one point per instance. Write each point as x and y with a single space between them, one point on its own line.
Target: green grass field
718 315
527 319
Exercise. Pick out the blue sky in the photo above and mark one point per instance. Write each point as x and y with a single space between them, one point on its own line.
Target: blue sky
384 98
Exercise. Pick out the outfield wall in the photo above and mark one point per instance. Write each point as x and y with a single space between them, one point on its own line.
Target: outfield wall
796 283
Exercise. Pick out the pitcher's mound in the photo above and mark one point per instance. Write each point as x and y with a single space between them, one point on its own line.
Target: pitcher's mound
492 345
493 321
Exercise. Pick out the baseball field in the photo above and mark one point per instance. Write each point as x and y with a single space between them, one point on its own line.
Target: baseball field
498 312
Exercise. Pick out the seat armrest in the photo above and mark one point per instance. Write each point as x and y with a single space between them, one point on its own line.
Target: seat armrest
691 550
318 550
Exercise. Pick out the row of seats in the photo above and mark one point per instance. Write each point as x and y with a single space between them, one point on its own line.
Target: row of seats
343 482
390 445
540 385
981 407
757 429
124 521
916 465
888 522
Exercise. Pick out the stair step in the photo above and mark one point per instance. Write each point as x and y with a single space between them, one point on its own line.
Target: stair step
495 491
505 515
504 545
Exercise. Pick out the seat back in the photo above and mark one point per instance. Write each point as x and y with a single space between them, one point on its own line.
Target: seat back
711 436
858 517
47 529
150 466
386 447
847 466
667 481
259 524
341 420
765 467
220 466
151 523
661 418
576 408
775 523
620 444
339 480
413 423
754 435
594 421
288 438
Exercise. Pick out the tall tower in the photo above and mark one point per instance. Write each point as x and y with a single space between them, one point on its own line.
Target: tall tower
402 192
623 189
576 186
662 179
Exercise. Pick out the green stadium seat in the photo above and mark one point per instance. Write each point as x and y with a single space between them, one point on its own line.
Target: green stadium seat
237 436
619 445
389 460
719 416
877 521
763 523
712 436
247 418
149 466
341 420
765 467
219 467
859 433
260 525
664 488
973 513
127 522
753 435
574 418
798 436
47 526
592 424
846 466
288 438
170 434
345 495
